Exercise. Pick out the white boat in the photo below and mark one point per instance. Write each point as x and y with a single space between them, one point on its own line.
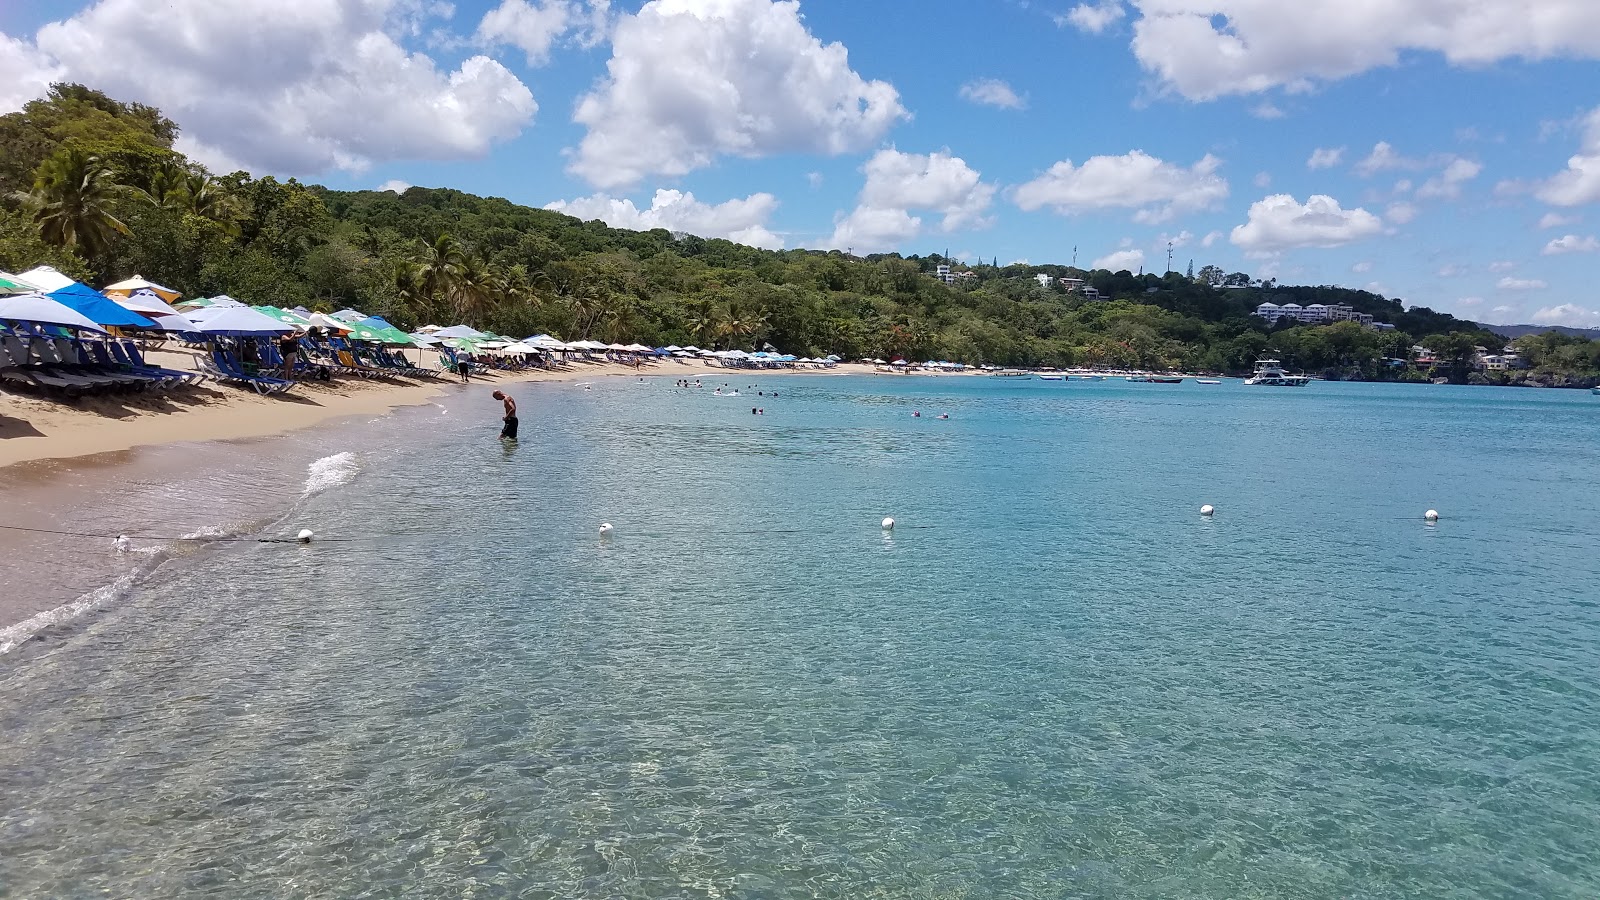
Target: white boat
1594 390
1206 381
1052 377
1271 374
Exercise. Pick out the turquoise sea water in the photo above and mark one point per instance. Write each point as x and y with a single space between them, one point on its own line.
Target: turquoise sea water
1052 679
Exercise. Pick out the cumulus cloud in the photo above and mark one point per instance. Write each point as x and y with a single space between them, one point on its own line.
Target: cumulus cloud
1325 158
1520 284
535 27
900 182
741 221
1570 314
1211 238
1158 190
1280 222
1571 244
1384 158
1117 261
1262 180
395 185
1557 220
1451 270
310 87
690 80
1502 265
1095 18
1204 49
1579 183
992 92
25 73
1361 268
1268 110
1447 184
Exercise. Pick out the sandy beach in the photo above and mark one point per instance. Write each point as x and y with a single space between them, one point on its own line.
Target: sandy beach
34 428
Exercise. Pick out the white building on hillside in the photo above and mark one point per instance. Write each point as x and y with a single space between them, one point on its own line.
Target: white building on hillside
1315 314
1044 279
944 274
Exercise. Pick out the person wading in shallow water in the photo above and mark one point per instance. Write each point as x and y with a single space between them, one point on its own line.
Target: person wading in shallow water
509 432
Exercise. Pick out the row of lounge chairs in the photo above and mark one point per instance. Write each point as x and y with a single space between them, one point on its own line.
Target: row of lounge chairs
72 367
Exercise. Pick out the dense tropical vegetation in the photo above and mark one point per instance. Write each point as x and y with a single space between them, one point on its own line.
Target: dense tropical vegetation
93 186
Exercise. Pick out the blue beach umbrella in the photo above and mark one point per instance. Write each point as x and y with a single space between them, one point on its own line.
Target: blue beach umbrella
239 321
97 307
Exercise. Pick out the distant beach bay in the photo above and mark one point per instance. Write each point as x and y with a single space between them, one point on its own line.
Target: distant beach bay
1052 678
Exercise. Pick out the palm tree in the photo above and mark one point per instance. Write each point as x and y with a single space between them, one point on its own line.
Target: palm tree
702 321
206 197
71 201
438 268
475 286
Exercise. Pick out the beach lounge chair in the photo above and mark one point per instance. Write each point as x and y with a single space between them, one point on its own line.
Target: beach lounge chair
97 351
127 352
226 368
61 357
20 370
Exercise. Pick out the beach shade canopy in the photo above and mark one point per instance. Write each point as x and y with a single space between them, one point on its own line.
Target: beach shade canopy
220 301
14 284
377 322
349 315
129 286
146 303
322 320
174 322
424 340
302 312
361 331
45 279
460 331
284 316
38 309
98 307
637 348
460 343
239 321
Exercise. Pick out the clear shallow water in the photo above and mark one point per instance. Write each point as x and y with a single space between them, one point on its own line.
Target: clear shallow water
1054 679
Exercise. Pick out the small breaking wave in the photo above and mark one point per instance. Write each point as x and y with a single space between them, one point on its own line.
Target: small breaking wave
330 471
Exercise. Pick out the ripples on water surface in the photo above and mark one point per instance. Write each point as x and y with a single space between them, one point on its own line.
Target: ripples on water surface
1052 680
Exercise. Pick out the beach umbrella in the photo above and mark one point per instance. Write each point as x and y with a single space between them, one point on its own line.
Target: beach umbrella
285 316
98 307
363 332
221 301
672 349
302 312
460 331
349 315
322 320
424 340
42 310
146 303
46 279
129 286
239 321
428 329
174 322
637 348
12 284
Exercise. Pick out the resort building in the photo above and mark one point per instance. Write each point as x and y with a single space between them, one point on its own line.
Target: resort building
944 274
1044 279
1315 314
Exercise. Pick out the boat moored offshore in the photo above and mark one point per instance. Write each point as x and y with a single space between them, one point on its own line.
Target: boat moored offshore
1269 372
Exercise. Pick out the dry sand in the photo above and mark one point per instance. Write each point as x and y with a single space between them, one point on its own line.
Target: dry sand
38 428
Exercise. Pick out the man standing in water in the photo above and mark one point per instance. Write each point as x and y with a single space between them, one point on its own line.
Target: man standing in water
509 432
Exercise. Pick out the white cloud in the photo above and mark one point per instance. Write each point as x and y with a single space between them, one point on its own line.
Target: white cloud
742 221
814 179
534 27
1158 190
992 92
1181 239
1093 19
1557 220
1520 284
1205 49
1280 222
1502 265
1325 158
395 185
310 87
1447 184
1451 270
1119 260
689 80
1384 158
869 229
900 182
1211 238
1262 180
1268 110
1571 244
1400 213
25 73
1580 182
1569 314
1469 301
1361 268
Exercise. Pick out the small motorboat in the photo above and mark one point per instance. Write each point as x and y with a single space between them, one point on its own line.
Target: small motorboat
1207 381
1052 378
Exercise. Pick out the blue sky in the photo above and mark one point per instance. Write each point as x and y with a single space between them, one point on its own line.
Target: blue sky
1444 153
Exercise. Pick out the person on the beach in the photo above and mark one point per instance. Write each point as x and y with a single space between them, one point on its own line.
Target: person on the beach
288 346
509 432
464 367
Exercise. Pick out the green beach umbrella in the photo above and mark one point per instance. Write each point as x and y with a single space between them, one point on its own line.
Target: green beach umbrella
284 316
12 286
379 335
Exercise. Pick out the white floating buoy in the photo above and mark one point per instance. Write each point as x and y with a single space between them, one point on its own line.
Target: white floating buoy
1431 515
305 536
605 528
122 543
1207 510
888 524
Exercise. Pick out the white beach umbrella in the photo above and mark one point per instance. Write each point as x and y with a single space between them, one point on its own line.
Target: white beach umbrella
458 331
41 310
129 287
144 301
241 321
45 279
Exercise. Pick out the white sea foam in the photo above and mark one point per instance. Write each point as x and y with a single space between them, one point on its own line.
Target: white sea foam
330 471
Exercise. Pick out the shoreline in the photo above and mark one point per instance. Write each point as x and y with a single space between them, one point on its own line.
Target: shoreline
37 430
